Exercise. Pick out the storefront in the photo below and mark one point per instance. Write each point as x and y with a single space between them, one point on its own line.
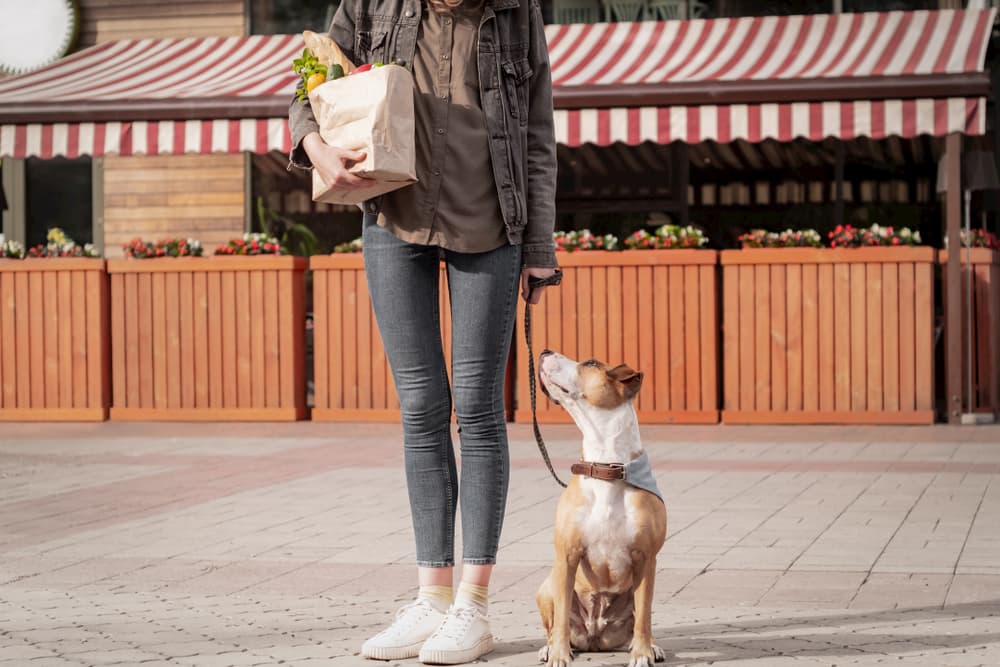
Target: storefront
691 118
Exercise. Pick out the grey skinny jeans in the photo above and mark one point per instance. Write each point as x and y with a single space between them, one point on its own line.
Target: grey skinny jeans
403 282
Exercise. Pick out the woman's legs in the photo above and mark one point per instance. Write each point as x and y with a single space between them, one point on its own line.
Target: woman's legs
483 289
403 282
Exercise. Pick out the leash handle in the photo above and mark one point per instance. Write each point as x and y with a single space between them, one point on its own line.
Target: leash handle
533 283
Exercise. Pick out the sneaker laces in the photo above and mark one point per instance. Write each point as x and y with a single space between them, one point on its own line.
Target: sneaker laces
409 615
456 623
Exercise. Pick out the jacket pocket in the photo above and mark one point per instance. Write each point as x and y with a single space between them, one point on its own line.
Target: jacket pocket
369 46
517 74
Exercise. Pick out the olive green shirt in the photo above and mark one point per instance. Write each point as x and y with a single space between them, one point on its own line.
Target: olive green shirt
454 203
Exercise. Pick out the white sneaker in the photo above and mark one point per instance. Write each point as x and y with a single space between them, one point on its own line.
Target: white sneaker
463 636
414 623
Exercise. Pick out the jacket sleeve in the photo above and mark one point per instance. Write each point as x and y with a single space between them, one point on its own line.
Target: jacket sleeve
539 249
301 120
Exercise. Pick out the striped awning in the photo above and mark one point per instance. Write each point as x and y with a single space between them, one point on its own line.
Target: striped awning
773 77
779 77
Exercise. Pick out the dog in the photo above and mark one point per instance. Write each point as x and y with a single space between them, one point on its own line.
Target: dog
599 595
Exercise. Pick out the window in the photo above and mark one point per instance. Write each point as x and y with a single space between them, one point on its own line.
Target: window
286 17
71 210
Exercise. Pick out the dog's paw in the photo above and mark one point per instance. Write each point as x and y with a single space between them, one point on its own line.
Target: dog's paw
555 657
659 654
641 659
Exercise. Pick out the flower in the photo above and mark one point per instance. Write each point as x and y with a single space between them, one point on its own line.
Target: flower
12 249
584 239
350 247
139 249
667 236
252 244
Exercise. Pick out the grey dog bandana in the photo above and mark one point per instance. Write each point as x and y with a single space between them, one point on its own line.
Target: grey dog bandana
639 473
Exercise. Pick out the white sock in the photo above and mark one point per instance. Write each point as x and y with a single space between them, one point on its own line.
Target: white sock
473 595
439 596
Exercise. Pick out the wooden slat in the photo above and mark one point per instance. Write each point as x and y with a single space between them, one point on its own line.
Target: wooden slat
136 344
675 286
616 347
36 333
731 337
65 331
295 284
981 338
890 336
291 349
118 337
321 344
244 351
230 354
859 339
840 318
793 336
873 327
599 305
630 318
201 341
25 331
159 352
173 339
661 323
335 339
80 338
994 310
923 335
815 337
8 352
351 307
585 313
219 363
646 332
748 332
709 348
778 338
364 348
570 309
258 372
50 295
907 338
692 333
272 341
185 326
762 337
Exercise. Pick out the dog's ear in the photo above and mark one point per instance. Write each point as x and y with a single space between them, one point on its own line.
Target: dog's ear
630 379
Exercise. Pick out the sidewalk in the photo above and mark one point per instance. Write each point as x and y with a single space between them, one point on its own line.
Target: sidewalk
159 544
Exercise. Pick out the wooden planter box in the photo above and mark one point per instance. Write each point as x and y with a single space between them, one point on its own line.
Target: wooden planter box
655 310
208 338
815 335
353 380
53 340
985 328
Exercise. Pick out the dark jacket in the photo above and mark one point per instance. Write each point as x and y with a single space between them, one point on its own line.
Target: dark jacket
516 92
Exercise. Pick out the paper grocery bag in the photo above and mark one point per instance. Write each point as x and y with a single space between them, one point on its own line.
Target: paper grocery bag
370 112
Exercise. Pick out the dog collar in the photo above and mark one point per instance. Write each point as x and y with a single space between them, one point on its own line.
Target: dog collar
605 471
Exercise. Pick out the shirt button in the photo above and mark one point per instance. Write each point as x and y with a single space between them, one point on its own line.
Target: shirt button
440 130
447 21
437 172
445 57
409 13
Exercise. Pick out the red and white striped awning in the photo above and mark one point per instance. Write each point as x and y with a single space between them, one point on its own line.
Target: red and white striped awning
809 52
752 78
248 79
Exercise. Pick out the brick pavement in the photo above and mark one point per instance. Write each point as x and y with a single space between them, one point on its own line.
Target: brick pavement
140 544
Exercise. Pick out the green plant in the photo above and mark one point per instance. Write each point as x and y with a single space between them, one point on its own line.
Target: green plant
295 237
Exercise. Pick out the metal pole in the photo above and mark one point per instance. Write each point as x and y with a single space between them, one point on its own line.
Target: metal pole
969 304
953 279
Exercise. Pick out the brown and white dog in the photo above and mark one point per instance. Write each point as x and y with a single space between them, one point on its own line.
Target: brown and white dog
599 595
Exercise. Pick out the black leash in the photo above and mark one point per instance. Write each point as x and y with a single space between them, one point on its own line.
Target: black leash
533 283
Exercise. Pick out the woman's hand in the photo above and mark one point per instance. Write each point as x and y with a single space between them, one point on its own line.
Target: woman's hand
536 294
333 163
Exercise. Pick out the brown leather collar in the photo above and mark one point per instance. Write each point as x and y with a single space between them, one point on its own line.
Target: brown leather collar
605 471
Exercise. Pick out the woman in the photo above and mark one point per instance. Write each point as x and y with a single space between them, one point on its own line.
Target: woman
485 203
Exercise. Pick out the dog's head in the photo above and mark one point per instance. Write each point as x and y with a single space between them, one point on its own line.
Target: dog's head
586 385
